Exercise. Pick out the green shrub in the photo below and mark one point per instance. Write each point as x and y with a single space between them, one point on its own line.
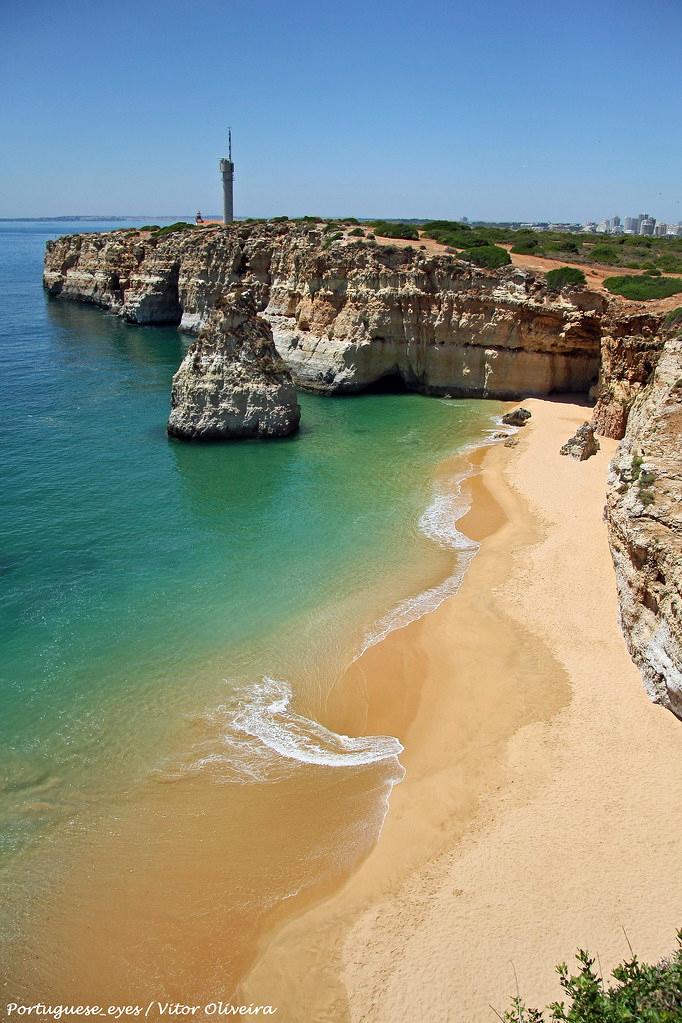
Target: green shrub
526 247
385 229
604 254
564 276
357 232
643 288
179 225
149 227
641 994
444 225
636 468
489 256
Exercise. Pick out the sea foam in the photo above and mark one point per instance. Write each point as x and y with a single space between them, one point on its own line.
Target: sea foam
257 737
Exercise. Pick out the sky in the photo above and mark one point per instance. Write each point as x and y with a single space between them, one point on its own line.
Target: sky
496 110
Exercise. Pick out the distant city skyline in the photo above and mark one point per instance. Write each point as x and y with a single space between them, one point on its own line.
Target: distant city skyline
372 111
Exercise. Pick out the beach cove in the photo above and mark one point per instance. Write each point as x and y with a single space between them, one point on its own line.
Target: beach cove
512 839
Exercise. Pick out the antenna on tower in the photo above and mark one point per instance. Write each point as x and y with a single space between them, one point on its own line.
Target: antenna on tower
229 144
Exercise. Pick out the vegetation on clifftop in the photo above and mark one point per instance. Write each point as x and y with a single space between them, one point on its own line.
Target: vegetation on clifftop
489 256
636 252
388 229
563 276
644 287
641 994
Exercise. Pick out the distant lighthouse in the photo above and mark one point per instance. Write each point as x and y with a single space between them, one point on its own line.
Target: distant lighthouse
227 171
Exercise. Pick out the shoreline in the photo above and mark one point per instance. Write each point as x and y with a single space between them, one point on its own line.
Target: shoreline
512 836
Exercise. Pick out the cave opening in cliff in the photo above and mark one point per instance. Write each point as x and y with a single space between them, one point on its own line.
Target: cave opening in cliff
390 383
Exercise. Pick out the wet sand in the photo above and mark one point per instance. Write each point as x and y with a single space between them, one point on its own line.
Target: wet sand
540 808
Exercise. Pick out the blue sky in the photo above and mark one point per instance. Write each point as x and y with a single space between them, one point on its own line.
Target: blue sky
501 109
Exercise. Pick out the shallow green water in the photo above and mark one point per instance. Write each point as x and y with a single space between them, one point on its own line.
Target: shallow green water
142 578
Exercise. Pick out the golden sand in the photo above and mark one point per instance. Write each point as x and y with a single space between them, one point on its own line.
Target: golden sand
540 809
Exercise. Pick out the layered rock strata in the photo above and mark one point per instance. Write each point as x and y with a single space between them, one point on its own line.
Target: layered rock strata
644 515
630 347
346 315
232 383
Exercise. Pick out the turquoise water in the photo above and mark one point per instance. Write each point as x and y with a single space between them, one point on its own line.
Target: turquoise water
142 580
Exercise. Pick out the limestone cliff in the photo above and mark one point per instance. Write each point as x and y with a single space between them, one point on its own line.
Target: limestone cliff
644 516
232 383
346 314
630 347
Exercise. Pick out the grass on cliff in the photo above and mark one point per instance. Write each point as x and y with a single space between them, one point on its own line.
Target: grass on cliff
641 994
644 288
674 317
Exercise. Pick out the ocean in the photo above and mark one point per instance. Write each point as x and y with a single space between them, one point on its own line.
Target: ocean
173 773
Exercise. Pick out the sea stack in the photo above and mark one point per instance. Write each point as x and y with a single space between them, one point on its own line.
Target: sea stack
232 383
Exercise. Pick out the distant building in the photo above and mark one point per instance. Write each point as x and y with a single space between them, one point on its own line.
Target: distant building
647 225
632 225
661 230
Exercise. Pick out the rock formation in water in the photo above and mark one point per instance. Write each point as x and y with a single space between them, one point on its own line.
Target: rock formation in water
232 383
644 515
582 445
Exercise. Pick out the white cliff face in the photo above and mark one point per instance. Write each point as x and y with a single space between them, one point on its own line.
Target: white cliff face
232 384
346 315
644 515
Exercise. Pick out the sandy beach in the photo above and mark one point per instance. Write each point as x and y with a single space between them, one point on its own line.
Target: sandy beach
540 807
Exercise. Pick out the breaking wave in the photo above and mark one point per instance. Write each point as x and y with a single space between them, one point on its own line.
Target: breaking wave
257 737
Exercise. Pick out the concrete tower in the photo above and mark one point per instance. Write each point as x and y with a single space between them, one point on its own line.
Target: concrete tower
227 171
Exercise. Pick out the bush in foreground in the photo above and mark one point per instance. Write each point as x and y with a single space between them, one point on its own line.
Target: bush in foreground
385 229
564 276
491 257
644 288
641 994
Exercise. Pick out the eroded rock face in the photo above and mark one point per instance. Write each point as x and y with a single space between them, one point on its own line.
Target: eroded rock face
232 383
582 445
346 315
630 348
644 515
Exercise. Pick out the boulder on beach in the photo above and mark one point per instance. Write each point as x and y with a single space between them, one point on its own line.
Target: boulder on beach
516 418
583 444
